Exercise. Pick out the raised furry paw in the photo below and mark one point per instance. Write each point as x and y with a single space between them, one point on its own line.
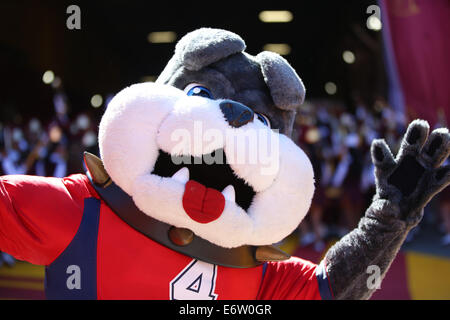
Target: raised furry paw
415 176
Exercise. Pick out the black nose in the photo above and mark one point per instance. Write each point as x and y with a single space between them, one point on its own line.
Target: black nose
236 113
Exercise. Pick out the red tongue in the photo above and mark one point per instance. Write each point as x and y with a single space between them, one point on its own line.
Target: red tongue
202 204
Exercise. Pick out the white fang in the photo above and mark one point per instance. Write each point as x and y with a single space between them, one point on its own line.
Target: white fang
229 193
181 175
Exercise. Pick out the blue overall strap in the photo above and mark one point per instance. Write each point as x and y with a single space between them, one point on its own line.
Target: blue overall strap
73 275
324 284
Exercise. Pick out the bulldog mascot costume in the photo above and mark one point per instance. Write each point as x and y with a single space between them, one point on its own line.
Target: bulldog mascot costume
198 177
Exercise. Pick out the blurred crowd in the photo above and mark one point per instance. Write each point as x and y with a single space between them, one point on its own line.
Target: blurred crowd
336 140
46 147
338 143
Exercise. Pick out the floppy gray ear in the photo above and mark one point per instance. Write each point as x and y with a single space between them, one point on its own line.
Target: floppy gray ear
286 87
205 46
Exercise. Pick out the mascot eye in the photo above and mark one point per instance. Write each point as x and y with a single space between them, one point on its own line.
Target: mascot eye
262 118
195 89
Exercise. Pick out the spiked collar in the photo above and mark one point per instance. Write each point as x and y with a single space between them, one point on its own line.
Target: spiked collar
181 240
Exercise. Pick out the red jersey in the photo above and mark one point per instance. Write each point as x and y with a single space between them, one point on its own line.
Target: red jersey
46 221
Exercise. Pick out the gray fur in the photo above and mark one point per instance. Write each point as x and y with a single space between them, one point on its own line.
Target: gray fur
436 158
205 46
199 49
383 229
286 88
215 58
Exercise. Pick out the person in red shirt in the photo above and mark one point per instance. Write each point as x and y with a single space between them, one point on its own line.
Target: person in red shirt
86 248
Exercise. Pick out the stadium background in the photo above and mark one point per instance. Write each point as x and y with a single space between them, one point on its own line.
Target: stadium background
365 77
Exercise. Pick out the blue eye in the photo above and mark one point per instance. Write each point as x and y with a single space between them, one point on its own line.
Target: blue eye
198 90
262 118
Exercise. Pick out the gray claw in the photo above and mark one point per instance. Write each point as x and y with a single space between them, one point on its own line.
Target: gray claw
381 154
437 148
414 139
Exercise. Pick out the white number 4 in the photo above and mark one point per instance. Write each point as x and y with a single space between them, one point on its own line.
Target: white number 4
195 282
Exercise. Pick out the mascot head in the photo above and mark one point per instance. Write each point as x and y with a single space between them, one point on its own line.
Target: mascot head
207 146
